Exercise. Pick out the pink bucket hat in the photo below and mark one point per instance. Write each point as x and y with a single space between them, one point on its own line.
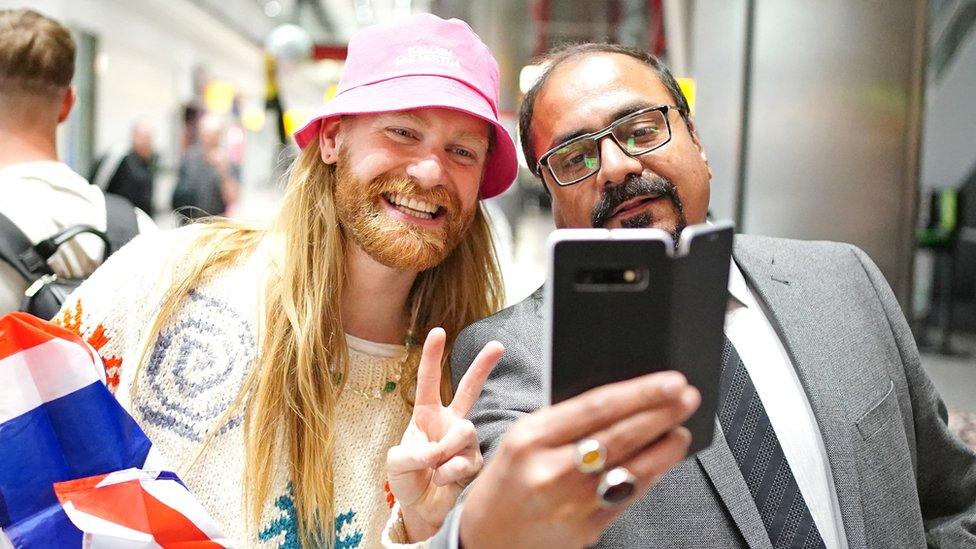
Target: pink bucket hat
423 61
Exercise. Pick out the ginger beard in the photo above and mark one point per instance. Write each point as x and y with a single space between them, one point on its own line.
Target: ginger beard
362 208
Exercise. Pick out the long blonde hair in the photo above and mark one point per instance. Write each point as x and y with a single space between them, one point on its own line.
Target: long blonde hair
290 394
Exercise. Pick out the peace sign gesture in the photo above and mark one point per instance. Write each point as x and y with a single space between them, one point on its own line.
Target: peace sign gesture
439 454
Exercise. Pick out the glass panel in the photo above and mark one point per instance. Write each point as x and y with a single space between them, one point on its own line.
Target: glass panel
944 51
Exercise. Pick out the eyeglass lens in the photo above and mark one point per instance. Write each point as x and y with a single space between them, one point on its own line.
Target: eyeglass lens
637 135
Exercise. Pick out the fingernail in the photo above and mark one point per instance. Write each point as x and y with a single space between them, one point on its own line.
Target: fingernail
689 399
671 385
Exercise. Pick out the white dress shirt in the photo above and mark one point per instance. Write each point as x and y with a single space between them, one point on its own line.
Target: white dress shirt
787 406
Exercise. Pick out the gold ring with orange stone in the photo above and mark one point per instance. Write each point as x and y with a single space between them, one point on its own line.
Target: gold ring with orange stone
591 456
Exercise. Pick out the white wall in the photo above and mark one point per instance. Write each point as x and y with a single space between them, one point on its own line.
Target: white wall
948 153
149 49
716 60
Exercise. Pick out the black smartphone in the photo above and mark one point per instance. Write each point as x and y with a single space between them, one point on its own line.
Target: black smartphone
626 302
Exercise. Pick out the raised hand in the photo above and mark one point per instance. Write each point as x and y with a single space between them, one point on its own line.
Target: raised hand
534 491
438 455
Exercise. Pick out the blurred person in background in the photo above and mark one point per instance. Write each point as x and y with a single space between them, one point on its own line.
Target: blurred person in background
129 172
277 368
40 195
207 182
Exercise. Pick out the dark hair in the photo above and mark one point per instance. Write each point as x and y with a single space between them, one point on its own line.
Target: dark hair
37 54
561 54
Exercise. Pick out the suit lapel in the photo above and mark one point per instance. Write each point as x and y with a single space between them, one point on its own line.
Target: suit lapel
784 295
720 466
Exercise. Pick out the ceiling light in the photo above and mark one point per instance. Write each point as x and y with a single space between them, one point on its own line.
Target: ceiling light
272 8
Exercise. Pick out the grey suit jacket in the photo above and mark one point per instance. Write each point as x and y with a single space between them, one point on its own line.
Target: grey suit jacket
902 479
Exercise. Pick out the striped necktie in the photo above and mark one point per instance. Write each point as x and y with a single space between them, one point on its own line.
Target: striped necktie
760 457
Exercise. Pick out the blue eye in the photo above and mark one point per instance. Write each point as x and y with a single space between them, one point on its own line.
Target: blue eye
402 132
464 156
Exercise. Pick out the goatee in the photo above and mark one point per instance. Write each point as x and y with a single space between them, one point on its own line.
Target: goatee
633 187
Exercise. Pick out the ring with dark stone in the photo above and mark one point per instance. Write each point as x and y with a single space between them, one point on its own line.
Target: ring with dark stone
616 486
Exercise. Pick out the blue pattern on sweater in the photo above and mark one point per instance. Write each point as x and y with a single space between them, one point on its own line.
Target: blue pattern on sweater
350 541
196 368
288 525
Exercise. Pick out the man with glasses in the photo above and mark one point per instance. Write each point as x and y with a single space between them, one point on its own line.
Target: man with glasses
637 131
830 434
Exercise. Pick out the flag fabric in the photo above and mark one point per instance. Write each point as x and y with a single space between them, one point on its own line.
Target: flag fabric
133 509
59 423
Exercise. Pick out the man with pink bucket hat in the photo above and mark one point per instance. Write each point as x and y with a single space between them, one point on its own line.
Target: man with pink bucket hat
430 63
276 368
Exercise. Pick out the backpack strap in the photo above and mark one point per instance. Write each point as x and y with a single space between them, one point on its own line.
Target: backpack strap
17 250
121 224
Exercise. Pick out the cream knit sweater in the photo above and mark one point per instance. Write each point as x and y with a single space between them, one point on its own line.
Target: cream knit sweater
193 373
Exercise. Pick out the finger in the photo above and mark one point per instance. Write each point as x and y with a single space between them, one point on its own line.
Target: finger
599 408
647 467
429 371
460 455
649 431
460 437
473 381
458 470
406 459
658 458
630 435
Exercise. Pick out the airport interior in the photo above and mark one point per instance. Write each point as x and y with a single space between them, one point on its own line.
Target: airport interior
830 120
849 121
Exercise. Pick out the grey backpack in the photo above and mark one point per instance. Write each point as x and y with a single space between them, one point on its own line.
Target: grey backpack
46 290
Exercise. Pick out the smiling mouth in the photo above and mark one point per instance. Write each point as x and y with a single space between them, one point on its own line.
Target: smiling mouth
414 207
634 204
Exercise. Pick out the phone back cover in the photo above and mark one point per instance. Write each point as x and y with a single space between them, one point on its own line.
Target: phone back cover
700 294
675 322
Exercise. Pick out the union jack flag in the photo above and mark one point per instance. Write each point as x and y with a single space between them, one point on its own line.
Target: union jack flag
75 468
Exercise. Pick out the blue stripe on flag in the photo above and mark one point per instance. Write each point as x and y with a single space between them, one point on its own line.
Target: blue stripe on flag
50 528
81 434
169 475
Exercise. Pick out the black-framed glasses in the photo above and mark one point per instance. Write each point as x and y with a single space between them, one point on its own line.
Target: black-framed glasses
637 133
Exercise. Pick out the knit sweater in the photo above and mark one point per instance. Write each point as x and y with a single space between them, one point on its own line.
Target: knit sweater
194 371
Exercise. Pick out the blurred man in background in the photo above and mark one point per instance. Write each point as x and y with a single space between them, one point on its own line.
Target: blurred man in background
208 182
129 172
40 195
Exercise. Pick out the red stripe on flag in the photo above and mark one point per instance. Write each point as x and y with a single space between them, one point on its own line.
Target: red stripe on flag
21 331
120 503
65 490
128 504
172 529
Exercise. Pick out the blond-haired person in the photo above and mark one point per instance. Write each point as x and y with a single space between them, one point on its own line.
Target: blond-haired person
275 368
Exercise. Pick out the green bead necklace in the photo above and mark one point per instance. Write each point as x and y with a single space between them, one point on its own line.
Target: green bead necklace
391 385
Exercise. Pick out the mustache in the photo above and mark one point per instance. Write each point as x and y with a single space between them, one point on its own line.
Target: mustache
392 183
633 186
